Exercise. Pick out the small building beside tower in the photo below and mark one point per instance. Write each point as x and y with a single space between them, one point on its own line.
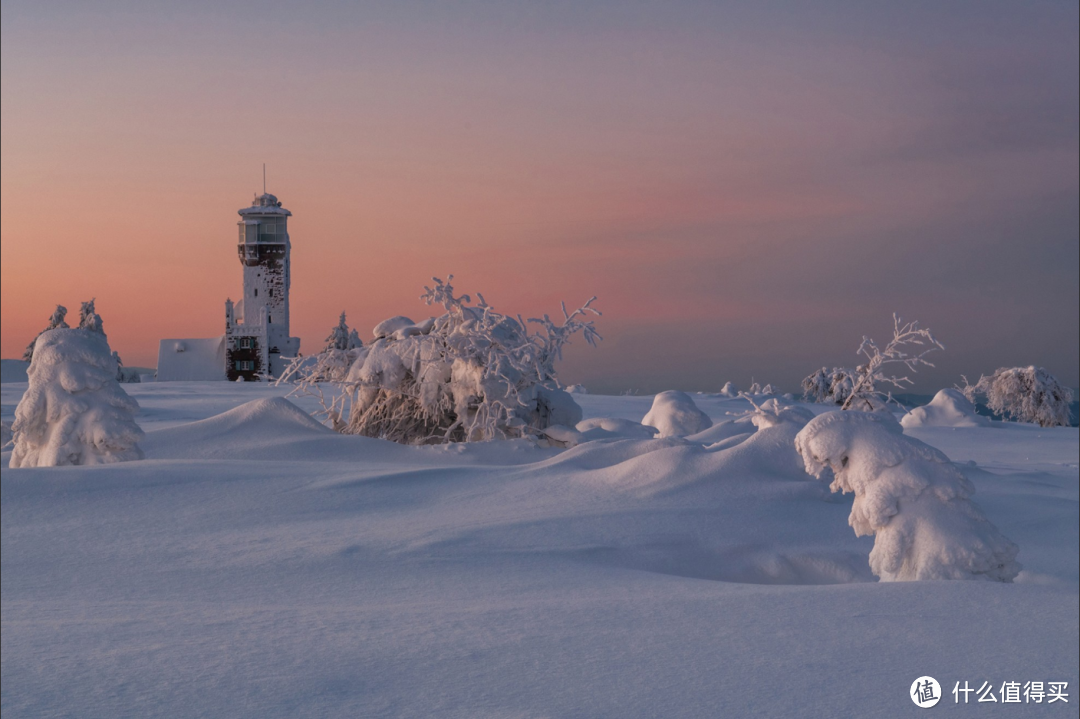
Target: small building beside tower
256 344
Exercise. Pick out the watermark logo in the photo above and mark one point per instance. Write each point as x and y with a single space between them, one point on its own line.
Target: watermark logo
925 692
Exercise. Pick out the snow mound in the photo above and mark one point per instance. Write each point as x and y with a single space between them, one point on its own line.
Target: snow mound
261 429
13 370
556 406
949 408
392 325
756 486
616 427
769 451
908 495
725 430
675 415
598 428
74 411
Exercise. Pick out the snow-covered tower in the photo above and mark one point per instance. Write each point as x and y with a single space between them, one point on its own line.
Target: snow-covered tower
257 327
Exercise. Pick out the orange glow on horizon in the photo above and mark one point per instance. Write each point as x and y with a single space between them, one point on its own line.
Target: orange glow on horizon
719 181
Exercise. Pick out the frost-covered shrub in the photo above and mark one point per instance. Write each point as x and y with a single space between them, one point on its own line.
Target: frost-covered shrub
729 390
341 349
471 374
829 387
909 496
864 394
55 322
74 411
1026 394
949 408
674 414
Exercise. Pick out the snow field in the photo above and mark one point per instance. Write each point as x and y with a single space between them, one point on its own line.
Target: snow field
257 564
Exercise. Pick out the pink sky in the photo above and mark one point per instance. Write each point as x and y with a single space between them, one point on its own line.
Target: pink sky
748 193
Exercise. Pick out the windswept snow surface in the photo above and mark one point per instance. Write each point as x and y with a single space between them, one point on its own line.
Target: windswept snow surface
259 565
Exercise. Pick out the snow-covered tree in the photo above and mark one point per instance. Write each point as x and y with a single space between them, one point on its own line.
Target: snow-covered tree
74 411
55 322
341 348
471 374
1026 394
89 319
126 375
908 495
828 387
864 394
341 337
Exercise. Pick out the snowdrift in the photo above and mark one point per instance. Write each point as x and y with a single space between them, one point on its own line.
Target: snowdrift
612 427
261 429
949 408
300 573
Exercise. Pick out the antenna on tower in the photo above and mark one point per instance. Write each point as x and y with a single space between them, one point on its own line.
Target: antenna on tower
264 178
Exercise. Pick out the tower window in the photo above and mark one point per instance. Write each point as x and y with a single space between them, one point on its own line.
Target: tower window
256 291
268 232
269 318
245 343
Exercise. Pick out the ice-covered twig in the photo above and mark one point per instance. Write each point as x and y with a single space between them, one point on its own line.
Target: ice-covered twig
869 374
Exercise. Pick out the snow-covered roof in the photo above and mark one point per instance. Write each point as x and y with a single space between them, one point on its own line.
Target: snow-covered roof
265 204
191 359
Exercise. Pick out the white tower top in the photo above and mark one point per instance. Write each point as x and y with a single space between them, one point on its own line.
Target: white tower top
265 204
258 325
